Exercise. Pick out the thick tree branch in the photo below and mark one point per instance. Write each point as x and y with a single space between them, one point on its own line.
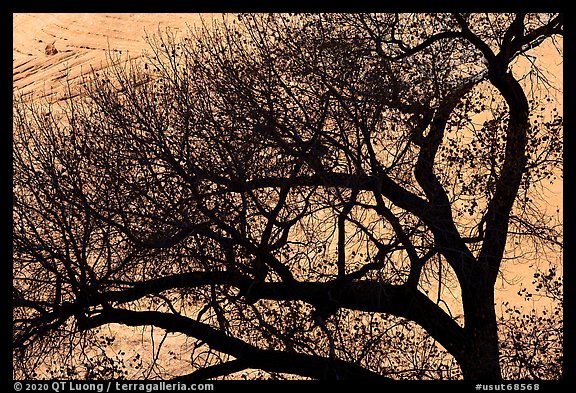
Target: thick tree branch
423 45
507 185
252 357
441 223
217 370
165 283
521 42
400 300
474 39
389 188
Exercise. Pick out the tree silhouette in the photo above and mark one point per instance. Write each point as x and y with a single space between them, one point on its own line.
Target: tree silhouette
298 193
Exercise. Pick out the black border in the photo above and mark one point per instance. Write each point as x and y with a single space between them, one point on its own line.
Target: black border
569 377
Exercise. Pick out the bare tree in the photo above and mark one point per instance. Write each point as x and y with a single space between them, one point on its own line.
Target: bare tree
298 193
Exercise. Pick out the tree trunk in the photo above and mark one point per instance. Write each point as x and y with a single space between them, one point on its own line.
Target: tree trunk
481 360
